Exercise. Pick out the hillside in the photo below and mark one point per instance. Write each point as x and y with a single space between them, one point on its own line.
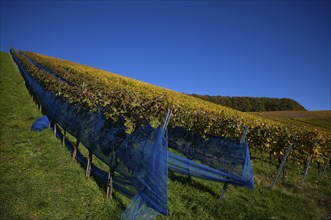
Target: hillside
317 119
41 181
254 104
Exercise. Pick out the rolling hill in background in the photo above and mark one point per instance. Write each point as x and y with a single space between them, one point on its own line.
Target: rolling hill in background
254 104
319 119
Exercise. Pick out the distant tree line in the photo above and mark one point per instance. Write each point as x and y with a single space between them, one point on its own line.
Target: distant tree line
253 104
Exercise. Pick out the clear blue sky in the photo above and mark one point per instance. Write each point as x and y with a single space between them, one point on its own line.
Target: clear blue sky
269 48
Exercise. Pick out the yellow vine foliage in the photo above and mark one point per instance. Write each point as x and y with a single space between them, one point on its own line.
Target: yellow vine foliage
140 102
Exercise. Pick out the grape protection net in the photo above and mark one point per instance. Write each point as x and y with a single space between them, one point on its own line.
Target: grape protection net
141 160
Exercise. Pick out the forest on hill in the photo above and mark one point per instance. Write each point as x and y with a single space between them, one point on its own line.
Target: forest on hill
254 104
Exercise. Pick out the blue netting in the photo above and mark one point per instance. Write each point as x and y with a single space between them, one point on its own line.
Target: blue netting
40 124
120 183
227 160
145 155
138 210
141 160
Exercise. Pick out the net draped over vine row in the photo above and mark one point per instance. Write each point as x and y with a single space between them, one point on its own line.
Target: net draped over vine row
141 160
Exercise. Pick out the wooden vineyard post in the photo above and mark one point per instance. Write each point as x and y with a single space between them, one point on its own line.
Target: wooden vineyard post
112 167
284 171
309 161
282 164
64 137
54 129
189 172
110 184
189 177
74 153
326 165
166 120
89 164
271 153
225 186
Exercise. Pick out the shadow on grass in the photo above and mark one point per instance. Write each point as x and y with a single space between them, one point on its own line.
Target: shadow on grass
191 182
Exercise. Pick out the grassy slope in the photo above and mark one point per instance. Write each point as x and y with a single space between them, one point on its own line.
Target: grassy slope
40 181
300 118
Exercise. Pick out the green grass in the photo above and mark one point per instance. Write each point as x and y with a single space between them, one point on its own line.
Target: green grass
286 201
39 180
